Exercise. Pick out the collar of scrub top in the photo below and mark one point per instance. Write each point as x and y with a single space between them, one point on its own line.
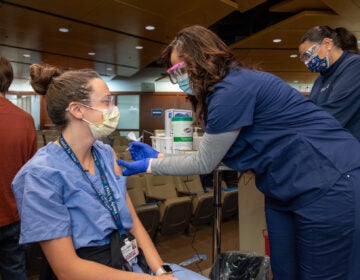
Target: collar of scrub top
177 72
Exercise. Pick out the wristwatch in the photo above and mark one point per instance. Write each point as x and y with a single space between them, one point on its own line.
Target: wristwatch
163 270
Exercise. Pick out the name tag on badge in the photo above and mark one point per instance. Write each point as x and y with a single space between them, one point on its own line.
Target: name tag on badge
130 249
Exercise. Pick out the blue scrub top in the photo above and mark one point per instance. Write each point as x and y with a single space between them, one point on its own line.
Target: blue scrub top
337 91
56 200
296 150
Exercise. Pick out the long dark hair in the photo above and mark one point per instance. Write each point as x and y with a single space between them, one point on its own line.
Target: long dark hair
208 60
342 38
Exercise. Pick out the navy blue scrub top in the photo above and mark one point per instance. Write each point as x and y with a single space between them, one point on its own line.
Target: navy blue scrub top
296 150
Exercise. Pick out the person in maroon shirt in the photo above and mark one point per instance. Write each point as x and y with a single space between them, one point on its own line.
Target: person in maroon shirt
17 145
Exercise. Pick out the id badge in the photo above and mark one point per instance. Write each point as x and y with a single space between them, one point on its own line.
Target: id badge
130 249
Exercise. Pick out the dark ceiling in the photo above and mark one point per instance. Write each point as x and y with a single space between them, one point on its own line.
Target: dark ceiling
112 29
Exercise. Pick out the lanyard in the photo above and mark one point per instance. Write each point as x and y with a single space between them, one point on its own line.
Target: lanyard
108 200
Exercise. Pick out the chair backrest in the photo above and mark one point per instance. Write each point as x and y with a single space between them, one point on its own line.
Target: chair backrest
50 135
137 196
40 139
136 181
190 183
160 186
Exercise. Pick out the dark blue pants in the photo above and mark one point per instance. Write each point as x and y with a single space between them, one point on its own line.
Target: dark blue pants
320 240
12 255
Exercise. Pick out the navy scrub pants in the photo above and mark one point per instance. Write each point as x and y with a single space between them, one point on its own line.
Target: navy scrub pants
320 240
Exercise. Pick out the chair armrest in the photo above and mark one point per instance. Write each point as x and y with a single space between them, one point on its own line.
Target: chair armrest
154 199
229 189
185 193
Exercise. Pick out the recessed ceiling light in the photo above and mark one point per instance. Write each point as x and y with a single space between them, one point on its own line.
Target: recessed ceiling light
91 53
63 29
293 55
277 40
26 55
139 47
296 82
109 68
150 27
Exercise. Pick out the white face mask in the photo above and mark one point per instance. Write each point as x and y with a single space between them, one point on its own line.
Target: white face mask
107 126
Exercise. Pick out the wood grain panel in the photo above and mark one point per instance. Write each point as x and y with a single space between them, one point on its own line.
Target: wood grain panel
294 6
349 9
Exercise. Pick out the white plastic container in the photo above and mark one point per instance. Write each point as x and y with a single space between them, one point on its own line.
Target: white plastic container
162 144
183 135
171 113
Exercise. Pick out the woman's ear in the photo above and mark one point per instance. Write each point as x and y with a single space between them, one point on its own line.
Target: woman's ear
75 110
328 42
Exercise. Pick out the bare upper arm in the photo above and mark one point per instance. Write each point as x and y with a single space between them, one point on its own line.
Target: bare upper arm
60 253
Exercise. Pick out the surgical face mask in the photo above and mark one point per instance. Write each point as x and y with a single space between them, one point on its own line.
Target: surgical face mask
317 64
108 125
184 85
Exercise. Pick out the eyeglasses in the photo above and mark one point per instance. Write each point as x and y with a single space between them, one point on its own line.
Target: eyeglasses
306 56
107 100
177 72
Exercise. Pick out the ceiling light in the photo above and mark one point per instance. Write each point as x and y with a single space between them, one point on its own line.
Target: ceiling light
150 27
63 29
26 55
293 55
296 82
277 40
139 47
109 69
91 53
358 41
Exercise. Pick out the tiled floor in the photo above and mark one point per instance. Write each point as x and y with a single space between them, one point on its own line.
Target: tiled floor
178 248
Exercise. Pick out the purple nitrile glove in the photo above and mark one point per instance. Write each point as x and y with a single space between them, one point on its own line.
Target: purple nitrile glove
133 167
139 150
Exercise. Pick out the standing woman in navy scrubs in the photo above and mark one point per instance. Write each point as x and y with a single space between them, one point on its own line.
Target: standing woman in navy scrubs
306 164
334 53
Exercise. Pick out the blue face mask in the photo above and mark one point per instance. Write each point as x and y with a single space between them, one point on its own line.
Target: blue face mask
184 85
317 64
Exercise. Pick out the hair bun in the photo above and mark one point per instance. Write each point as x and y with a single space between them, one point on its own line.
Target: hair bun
41 77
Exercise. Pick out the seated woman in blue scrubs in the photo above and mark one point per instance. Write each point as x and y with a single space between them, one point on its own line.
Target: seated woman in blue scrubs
71 195
305 163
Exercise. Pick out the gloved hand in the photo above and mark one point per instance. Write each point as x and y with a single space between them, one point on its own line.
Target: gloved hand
133 167
139 150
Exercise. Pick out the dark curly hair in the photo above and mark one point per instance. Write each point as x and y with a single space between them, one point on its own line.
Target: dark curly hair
208 60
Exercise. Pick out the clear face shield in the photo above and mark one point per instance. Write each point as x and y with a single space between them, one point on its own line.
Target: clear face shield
312 51
177 72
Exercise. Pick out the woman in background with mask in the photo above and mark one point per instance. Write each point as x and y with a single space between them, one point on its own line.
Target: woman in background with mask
71 196
305 163
335 55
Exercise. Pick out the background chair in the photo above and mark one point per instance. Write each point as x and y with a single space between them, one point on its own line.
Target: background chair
175 211
50 135
149 213
229 198
202 200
